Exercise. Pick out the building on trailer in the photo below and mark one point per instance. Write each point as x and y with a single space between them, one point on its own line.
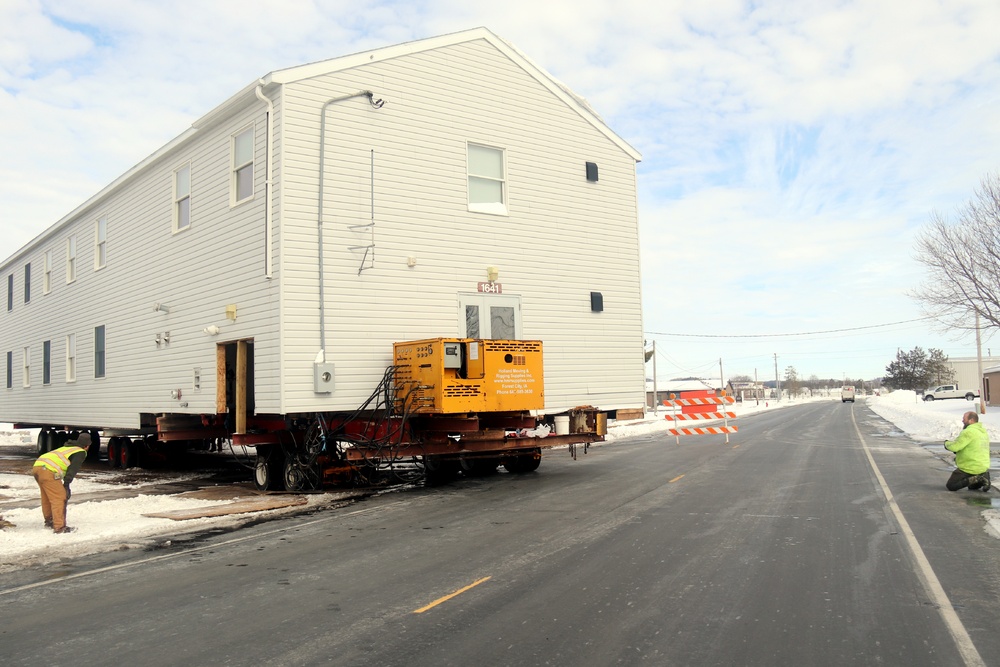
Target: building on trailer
265 261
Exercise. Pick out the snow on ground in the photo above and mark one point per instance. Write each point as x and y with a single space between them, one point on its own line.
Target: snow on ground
107 525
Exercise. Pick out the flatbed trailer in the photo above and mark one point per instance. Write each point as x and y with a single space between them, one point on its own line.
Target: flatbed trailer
446 407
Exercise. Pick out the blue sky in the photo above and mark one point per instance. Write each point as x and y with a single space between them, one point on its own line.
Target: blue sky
791 149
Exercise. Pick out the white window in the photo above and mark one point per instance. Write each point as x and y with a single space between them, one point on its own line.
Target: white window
71 358
101 242
487 188
491 316
182 198
47 272
27 282
242 185
70 259
26 377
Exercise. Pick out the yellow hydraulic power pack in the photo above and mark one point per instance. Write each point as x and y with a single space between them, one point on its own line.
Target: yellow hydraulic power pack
457 375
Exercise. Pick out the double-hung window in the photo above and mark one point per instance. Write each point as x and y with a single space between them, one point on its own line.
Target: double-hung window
487 179
70 259
182 198
10 292
71 358
101 242
47 272
242 182
27 282
10 370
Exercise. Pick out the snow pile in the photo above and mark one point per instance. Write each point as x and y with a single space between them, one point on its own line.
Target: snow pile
932 421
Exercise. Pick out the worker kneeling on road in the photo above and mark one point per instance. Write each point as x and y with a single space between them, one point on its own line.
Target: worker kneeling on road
54 471
972 456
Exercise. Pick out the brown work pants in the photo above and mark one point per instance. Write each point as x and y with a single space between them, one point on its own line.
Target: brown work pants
53 497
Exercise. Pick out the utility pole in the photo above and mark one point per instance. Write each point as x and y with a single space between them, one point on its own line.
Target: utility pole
722 377
756 392
777 382
979 359
656 394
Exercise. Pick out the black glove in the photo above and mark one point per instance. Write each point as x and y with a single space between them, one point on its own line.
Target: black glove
68 493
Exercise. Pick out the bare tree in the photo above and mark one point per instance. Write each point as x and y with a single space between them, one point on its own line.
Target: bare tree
963 259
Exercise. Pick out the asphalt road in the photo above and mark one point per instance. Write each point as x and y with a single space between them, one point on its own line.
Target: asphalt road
778 548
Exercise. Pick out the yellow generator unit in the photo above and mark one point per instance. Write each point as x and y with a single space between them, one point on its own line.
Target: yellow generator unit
456 375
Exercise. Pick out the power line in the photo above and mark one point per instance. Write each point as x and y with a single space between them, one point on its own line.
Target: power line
783 335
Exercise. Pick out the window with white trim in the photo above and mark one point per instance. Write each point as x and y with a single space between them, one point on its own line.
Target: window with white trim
182 198
46 362
71 358
70 259
487 179
10 292
47 272
242 180
27 282
99 351
10 370
101 242
26 376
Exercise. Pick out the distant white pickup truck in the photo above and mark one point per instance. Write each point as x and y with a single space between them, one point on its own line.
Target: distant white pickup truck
950 391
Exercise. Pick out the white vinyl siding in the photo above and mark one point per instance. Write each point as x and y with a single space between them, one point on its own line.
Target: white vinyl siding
182 198
101 242
405 167
243 150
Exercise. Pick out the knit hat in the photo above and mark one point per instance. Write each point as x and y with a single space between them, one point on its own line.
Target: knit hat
83 440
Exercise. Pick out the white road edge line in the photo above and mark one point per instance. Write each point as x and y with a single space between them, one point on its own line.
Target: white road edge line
930 581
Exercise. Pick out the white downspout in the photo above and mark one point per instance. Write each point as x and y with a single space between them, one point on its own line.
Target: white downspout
267 179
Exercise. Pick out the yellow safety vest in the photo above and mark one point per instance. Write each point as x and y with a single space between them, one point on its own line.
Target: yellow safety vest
58 460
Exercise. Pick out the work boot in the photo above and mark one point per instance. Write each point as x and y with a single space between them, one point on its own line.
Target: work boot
64 529
48 523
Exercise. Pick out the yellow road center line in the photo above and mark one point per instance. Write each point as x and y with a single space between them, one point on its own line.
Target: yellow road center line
450 596
675 479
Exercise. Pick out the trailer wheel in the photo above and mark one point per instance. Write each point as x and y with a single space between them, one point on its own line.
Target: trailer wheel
522 463
126 454
114 453
268 469
94 453
297 477
42 442
439 471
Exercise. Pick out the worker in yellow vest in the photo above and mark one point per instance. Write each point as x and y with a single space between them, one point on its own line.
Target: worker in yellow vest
54 471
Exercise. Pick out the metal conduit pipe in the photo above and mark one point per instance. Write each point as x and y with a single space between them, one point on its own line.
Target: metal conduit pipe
377 104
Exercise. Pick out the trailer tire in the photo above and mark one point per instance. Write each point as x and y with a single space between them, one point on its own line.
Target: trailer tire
268 469
94 453
114 453
438 471
524 463
42 443
126 454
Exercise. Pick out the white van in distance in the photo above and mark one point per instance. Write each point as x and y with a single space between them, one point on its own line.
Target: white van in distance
846 394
